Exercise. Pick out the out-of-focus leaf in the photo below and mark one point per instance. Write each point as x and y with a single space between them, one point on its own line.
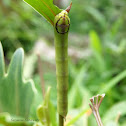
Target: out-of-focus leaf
38 124
113 82
95 42
97 52
45 8
111 123
124 124
2 65
52 111
16 95
29 65
37 101
116 26
6 2
75 90
112 113
7 120
43 110
122 46
46 112
97 15
79 116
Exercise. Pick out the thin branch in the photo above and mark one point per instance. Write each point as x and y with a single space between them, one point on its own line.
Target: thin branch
95 107
41 75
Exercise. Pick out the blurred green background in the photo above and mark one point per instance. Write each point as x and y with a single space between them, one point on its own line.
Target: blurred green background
97 53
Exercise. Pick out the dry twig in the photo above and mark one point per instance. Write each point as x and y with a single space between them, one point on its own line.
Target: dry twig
96 102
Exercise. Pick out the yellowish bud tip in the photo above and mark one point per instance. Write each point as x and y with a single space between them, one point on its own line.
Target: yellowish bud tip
62 22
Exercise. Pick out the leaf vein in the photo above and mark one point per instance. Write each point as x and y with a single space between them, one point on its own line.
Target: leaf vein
47 17
49 8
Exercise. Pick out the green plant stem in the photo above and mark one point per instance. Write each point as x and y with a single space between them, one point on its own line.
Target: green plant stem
61 120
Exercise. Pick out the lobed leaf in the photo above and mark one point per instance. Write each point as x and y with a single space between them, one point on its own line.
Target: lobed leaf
16 95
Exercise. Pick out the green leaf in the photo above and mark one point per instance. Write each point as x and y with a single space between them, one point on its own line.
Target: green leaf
2 65
16 95
114 111
96 47
95 42
45 8
111 123
52 111
46 112
97 15
77 117
113 82
43 110
115 27
7 120
77 85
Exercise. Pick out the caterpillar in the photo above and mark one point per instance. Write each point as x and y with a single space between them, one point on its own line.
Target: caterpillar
61 29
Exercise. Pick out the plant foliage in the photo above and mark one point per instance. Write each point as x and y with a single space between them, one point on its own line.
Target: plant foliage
46 112
16 95
45 8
